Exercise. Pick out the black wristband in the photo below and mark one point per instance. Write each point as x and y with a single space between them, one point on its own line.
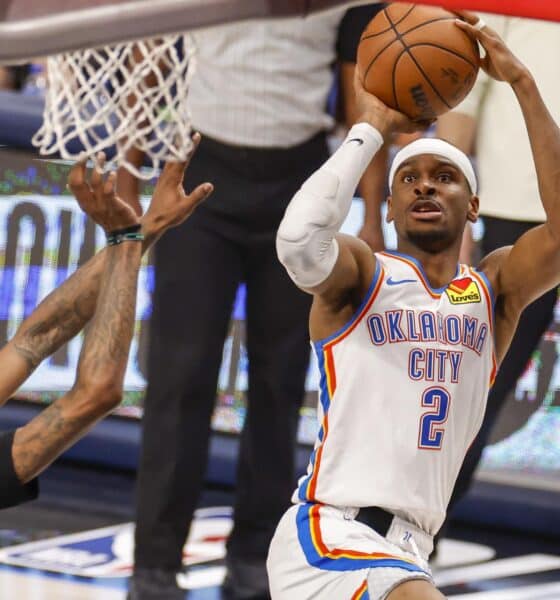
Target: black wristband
126 234
132 229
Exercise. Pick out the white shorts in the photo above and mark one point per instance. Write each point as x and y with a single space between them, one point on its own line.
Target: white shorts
321 552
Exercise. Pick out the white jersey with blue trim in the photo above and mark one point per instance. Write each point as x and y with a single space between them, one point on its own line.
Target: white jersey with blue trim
402 393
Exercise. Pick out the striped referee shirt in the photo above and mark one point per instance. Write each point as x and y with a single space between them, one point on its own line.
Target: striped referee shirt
265 83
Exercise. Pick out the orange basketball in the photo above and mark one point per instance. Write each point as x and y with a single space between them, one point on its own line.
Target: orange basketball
415 59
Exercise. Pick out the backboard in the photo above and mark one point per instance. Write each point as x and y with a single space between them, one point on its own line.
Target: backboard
29 28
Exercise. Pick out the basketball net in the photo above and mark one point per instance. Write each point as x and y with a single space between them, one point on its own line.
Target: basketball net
131 95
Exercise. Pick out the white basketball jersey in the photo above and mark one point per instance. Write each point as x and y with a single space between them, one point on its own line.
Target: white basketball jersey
402 393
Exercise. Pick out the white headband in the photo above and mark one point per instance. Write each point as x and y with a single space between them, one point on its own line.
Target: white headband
439 148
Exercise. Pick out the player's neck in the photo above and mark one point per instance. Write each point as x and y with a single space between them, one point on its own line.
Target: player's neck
440 268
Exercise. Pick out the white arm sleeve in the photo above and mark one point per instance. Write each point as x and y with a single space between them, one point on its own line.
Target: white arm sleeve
305 241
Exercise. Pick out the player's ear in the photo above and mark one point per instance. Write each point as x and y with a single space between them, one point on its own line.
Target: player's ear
389 216
472 212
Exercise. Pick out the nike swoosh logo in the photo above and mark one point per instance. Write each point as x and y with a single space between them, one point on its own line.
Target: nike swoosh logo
391 281
360 141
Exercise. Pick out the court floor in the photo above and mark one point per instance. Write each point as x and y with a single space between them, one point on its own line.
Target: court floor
75 543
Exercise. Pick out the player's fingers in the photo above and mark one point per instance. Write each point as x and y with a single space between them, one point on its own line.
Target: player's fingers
485 63
172 173
109 184
466 27
200 193
407 125
81 191
196 137
76 179
357 78
358 84
83 195
468 16
84 202
479 31
96 178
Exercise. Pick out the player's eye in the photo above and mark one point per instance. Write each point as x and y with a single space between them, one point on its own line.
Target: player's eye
444 177
408 178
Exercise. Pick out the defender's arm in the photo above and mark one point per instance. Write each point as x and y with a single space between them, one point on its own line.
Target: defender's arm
99 380
65 311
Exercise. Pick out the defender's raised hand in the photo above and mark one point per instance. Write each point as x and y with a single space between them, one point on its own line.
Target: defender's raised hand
97 196
170 205
499 62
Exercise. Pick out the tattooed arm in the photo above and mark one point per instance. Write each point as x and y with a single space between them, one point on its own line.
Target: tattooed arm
107 287
102 363
57 319
99 380
64 312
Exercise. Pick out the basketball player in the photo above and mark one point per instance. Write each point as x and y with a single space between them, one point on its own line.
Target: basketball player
105 289
407 344
487 120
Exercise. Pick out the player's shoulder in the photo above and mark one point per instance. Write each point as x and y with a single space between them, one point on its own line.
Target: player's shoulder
365 258
491 266
360 251
355 267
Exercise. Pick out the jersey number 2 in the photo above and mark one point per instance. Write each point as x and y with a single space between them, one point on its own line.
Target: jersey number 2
430 436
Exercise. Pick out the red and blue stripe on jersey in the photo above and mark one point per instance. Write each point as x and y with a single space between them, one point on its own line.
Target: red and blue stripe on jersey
320 556
327 383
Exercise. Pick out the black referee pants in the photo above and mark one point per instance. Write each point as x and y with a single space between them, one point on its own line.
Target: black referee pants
228 240
532 324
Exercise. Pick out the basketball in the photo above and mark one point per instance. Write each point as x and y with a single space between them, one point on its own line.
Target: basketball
416 60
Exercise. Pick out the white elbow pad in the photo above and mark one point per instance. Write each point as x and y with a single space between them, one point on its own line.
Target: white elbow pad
305 242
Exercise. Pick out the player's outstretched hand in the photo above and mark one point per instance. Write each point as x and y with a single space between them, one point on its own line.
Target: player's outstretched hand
170 205
499 61
385 119
97 196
